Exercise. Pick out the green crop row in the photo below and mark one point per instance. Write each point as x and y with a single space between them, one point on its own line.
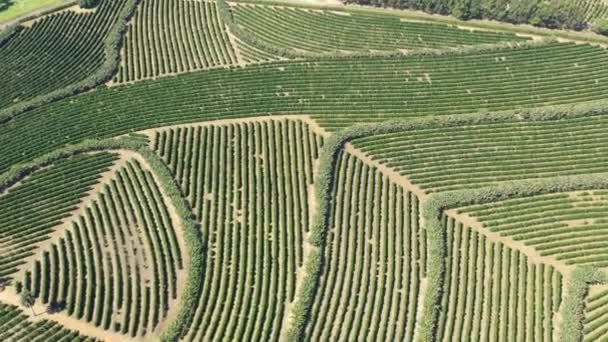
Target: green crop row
168 37
246 183
85 59
365 90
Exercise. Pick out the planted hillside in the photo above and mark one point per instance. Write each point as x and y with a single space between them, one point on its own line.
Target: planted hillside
247 184
168 37
16 326
56 52
494 292
31 210
372 282
337 92
299 30
117 264
443 159
569 227
596 315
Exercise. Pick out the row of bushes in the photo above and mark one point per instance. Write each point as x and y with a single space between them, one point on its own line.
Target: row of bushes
433 207
112 46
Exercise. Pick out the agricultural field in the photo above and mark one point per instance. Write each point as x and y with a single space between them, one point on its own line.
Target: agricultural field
195 170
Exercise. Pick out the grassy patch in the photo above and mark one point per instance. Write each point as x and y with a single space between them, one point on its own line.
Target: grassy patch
13 9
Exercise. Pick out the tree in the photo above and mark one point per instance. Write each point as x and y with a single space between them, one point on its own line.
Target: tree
27 300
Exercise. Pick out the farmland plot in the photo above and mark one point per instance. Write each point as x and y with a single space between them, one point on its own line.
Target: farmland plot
248 186
31 210
168 37
16 326
336 92
323 31
375 259
117 267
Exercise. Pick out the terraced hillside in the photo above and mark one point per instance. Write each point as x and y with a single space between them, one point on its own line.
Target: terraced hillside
494 291
267 172
118 264
31 209
442 159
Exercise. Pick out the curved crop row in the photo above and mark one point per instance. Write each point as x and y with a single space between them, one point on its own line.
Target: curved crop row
323 31
337 92
444 159
15 326
595 324
58 50
247 185
375 260
570 227
168 37
117 266
31 210
493 292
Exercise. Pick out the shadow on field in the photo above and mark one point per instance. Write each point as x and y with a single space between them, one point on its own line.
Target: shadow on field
5 4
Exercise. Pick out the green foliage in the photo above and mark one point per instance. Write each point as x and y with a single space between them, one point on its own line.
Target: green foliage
558 14
204 42
41 93
311 87
27 299
600 26
88 3
573 306
315 33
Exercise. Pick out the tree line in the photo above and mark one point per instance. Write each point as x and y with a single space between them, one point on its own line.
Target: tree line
563 14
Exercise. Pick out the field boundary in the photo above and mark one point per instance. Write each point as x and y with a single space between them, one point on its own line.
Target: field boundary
224 8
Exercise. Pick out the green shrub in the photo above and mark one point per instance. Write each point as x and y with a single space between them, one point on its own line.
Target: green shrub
88 3
600 26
